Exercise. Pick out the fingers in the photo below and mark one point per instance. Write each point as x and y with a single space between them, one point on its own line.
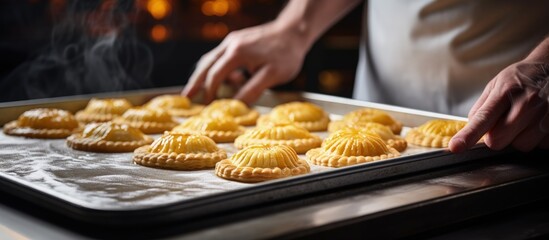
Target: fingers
219 72
196 81
526 110
482 98
253 89
481 122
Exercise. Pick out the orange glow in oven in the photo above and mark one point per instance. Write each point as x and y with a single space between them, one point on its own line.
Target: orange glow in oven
159 33
159 9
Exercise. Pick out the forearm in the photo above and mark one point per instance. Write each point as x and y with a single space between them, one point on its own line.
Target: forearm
311 18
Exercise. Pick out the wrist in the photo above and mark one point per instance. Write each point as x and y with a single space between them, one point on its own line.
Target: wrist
296 31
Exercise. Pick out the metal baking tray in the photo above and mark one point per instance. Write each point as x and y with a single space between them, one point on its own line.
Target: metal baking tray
109 189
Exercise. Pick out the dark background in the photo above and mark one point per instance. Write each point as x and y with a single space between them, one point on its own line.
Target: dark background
55 48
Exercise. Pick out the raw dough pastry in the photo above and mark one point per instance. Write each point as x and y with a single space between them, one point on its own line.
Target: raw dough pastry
220 129
367 115
383 131
43 123
237 109
103 110
349 146
305 114
434 133
149 121
176 105
108 137
283 133
258 163
180 151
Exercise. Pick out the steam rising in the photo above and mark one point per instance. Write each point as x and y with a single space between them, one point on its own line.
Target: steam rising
93 49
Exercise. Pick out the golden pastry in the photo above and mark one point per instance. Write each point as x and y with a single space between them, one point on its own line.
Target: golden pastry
149 121
234 108
382 131
258 163
367 115
103 110
305 114
434 133
180 151
349 146
43 123
108 137
220 129
283 133
176 105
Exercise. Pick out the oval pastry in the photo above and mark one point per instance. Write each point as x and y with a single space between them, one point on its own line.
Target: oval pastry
367 115
103 110
234 108
149 121
434 133
220 129
176 105
283 133
305 114
382 131
258 163
348 146
108 137
43 123
180 151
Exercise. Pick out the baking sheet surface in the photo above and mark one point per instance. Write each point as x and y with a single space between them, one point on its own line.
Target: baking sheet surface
108 181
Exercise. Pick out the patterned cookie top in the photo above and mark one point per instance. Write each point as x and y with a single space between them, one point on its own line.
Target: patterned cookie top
371 115
354 142
108 137
305 114
435 133
48 123
350 146
103 110
237 109
258 163
175 142
110 131
220 129
47 118
176 105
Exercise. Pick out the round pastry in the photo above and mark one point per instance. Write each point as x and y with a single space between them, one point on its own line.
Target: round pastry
349 146
307 115
108 137
220 129
283 133
258 163
149 121
234 108
180 151
176 105
43 123
103 110
434 133
382 131
367 115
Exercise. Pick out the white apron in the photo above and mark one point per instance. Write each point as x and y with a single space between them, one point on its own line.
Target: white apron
437 55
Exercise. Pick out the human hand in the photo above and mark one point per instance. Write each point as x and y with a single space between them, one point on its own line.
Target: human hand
271 55
513 110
